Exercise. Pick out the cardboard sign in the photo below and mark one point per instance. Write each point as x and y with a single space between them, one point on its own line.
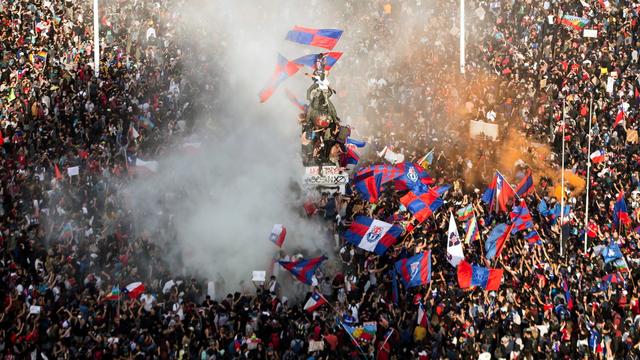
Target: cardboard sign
73 171
590 33
480 128
259 276
331 176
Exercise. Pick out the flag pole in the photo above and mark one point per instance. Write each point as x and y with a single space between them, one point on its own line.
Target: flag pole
462 42
586 210
562 177
96 40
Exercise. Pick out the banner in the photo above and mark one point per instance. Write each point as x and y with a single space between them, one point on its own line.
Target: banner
331 176
479 128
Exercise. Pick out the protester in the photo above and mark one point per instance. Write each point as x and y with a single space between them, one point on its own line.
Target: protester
79 280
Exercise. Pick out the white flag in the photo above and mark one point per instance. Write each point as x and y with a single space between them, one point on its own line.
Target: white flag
390 156
454 245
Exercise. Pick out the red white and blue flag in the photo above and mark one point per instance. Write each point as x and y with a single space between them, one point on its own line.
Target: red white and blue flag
413 177
278 233
303 269
422 315
315 301
135 289
302 106
498 194
284 69
597 156
324 38
415 271
372 235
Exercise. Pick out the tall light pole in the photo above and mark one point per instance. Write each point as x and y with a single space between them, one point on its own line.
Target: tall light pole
96 39
461 36
586 210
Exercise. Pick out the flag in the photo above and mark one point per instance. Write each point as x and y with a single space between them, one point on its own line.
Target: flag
372 235
597 156
134 289
352 155
496 240
426 160
114 295
140 166
368 186
620 264
67 231
521 217
611 252
297 103
525 186
615 278
422 205
56 171
355 142
472 231
277 234
465 213
567 293
310 60
395 297
619 118
303 269
284 69
315 301
474 275
575 22
324 38
40 56
387 172
413 178
454 246
498 193
416 270
363 334
441 189
533 237
391 156
422 315
620 213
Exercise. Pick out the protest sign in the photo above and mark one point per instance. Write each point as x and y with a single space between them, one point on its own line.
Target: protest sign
479 128
73 171
330 176
259 276
590 33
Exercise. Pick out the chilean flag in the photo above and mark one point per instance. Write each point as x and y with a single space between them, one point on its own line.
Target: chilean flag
597 156
284 69
498 194
619 118
324 38
474 275
372 235
304 269
416 270
135 289
422 315
315 301
277 234
620 213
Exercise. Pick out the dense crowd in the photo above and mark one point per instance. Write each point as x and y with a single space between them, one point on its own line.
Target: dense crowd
68 242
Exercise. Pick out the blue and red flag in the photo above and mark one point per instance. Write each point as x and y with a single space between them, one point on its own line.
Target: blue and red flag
533 237
474 275
303 269
567 293
368 185
324 38
297 103
284 69
310 60
498 194
526 185
372 235
413 177
352 145
615 278
496 240
387 172
620 213
415 271
441 189
422 205
521 217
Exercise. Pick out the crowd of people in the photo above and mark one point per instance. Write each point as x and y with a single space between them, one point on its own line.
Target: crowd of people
71 141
